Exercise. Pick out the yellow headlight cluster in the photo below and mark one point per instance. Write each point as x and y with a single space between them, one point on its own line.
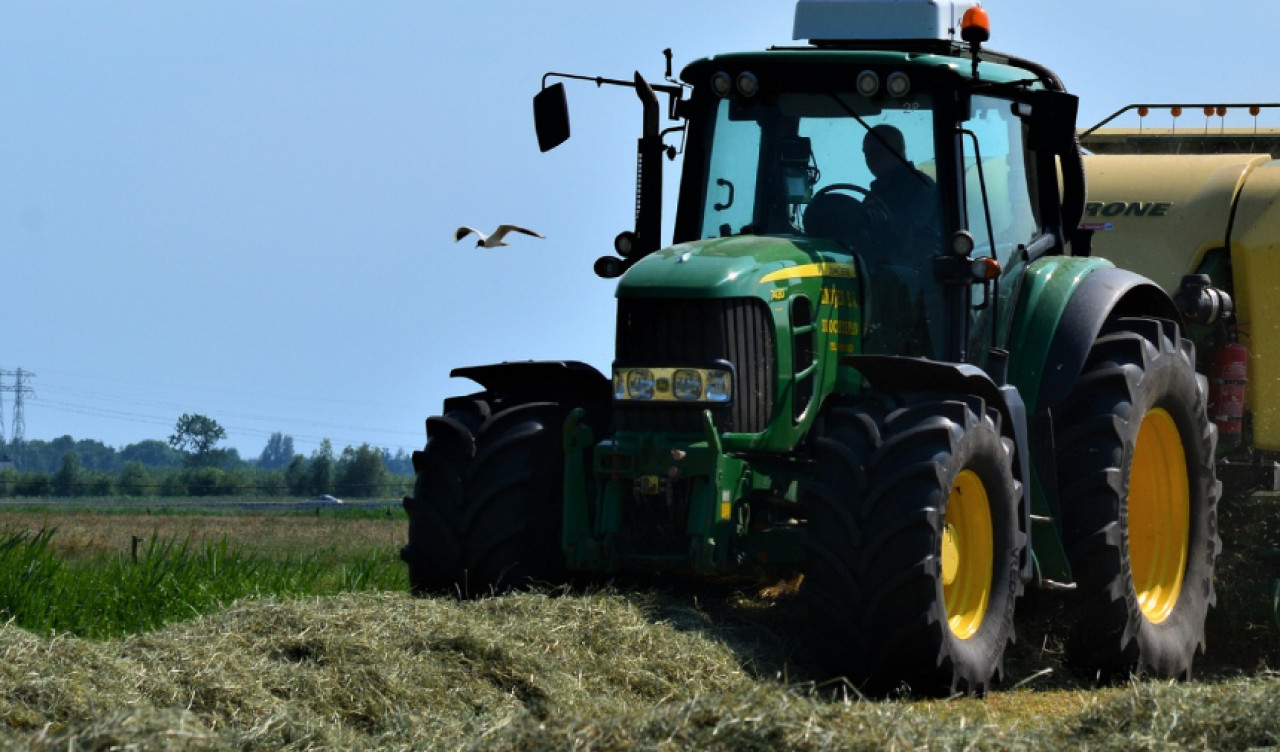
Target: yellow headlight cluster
673 384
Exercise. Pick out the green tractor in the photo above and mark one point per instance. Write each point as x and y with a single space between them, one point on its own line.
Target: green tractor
878 353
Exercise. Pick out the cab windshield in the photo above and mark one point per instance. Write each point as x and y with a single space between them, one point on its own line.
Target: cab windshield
839 168
830 165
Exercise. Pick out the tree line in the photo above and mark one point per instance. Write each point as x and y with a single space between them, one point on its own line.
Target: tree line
191 464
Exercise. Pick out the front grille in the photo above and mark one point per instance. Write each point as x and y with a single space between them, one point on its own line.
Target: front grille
672 332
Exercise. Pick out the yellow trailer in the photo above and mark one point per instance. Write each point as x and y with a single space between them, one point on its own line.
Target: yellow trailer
1170 202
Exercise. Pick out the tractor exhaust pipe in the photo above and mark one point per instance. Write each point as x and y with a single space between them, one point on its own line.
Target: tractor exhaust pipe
649 154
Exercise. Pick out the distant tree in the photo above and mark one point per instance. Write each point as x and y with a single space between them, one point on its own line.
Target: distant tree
134 480
173 484
196 436
98 457
270 483
360 472
66 481
205 481
33 484
43 456
237 478
400 464
296 476
151 453
97 484
321 468
46 456
228 458
278 452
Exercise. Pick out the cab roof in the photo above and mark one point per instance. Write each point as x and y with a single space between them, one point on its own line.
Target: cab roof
832 59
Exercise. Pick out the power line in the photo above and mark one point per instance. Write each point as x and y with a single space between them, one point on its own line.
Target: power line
248 420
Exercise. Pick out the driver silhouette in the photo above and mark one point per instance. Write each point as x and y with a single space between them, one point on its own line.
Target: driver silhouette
910 196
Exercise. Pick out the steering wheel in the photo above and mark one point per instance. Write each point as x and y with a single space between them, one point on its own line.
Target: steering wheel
878 217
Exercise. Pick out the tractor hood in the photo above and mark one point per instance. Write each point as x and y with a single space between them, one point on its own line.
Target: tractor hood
724 267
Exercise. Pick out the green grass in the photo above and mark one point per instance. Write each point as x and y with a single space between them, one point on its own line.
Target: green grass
109 595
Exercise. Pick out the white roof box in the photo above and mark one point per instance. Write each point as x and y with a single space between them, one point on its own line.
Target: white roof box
879 20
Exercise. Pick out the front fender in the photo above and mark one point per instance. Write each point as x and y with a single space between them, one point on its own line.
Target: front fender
892 374
560 377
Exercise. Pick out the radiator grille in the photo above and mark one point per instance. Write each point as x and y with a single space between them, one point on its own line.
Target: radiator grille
675 332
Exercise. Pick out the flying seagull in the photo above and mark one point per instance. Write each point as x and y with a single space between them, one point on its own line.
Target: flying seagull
494 240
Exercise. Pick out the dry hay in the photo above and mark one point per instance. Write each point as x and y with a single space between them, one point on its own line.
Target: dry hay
359 671
601 671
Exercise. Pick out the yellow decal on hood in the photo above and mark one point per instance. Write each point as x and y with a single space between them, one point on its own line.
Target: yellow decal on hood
826 269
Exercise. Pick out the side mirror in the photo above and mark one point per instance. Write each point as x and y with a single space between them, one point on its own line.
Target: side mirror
1053 121
551 116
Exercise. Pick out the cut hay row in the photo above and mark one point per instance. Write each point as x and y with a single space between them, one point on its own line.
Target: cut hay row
600 671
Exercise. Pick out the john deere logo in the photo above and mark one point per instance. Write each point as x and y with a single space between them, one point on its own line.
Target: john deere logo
1127 209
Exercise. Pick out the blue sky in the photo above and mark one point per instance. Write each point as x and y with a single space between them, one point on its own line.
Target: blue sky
245 209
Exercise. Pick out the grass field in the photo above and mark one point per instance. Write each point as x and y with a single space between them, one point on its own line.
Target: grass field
372 668
110 575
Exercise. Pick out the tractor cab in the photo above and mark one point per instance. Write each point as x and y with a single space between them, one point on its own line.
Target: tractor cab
899 153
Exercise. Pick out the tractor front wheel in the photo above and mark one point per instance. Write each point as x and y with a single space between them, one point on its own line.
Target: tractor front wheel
913 544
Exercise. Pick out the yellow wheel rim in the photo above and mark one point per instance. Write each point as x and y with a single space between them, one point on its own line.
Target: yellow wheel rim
1159 515
967 555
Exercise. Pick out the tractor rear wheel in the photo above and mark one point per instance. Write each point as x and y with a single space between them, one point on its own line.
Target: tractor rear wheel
1139 502
913 544
485 515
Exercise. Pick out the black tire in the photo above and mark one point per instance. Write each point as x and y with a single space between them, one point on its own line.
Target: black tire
485 515
881 568
1136 607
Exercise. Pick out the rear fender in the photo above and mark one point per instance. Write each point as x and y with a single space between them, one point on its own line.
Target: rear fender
1064 305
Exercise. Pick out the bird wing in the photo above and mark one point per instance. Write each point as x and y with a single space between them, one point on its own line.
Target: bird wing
462 232
504 229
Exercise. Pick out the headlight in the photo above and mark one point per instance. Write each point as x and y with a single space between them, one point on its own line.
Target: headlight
641 384
673 384
686 383
719 386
